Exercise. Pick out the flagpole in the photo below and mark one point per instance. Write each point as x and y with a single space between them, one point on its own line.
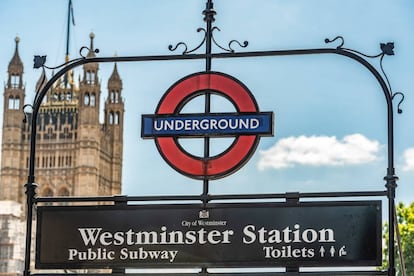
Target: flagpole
70 14
68 31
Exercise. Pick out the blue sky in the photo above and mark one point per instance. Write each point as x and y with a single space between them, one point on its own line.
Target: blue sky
330 114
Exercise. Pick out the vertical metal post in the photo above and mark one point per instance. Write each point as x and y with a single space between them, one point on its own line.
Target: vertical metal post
391 187
209 14
209 19
390 178
30 195
30 192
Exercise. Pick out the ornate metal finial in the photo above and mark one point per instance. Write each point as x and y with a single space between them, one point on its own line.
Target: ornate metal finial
209 14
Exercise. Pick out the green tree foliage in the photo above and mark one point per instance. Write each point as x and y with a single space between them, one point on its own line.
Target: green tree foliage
405 218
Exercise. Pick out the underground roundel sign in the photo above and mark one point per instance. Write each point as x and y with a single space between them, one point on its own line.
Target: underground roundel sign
169 125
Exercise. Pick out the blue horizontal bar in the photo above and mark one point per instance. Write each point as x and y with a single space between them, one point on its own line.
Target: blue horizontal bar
219 124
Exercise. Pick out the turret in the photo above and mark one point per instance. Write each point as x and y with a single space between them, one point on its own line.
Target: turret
114 105
11 157
90 90
14 90
114 121
89 129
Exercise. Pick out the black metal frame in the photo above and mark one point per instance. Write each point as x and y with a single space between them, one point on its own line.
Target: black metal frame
205 198
168 214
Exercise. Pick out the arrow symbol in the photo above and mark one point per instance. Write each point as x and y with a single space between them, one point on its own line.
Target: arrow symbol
322 251
332 250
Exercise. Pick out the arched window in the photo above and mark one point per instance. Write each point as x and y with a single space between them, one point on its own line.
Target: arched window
14 81
116 96
11 102
14 102
116 119
111 118
90 77
86 99
93 99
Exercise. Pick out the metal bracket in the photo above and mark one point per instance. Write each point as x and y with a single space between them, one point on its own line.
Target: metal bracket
292 198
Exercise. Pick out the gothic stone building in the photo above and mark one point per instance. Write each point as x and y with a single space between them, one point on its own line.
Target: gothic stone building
76 154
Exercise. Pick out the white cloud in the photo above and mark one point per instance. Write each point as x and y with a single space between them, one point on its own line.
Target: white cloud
320 151
408 159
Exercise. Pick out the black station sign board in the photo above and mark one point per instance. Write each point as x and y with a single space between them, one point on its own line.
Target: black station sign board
249 234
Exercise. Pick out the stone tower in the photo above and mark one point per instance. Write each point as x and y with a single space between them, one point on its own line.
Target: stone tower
13 149
76 154
114 121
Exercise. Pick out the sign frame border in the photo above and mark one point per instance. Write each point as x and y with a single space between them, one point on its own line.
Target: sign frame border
247 264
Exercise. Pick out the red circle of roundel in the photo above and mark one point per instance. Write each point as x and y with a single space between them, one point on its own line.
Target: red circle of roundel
236 155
